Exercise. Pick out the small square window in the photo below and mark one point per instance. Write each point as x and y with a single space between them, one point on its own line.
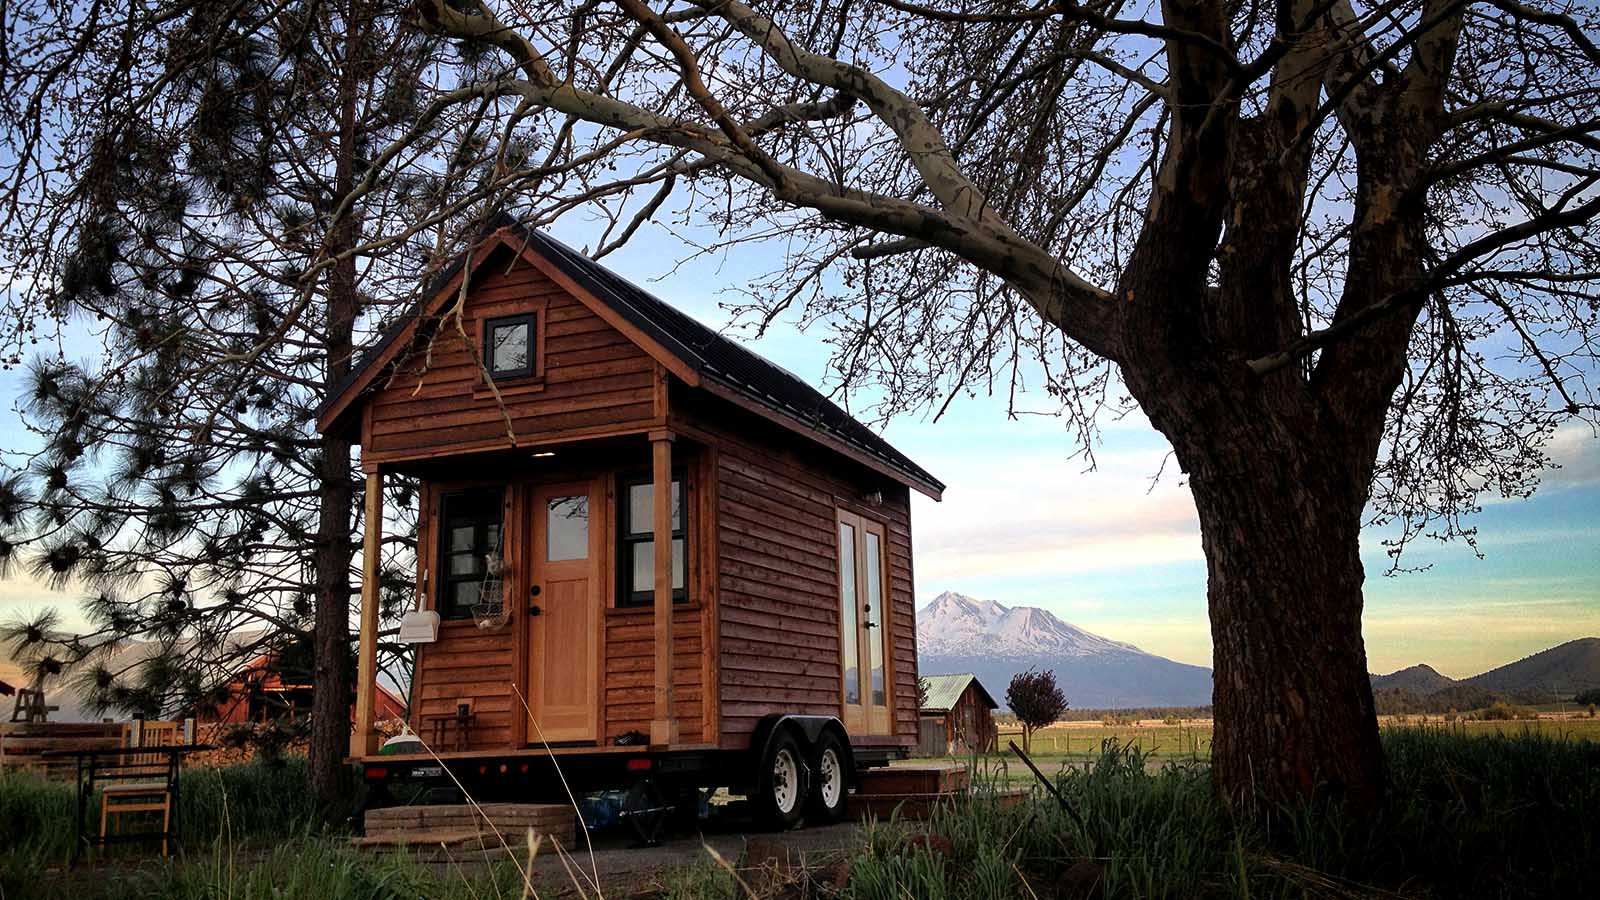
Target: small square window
508 346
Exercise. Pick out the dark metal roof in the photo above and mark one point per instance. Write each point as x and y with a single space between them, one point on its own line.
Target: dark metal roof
709 354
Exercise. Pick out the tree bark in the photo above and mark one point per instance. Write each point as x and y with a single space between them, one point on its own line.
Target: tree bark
331 694
1291 696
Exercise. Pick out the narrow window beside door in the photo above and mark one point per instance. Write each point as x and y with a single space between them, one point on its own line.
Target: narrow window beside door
469 531
636 558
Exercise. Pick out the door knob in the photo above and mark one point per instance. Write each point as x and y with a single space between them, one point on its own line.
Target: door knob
533 591
534 610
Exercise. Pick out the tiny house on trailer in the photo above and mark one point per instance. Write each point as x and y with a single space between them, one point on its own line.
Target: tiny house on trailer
657 560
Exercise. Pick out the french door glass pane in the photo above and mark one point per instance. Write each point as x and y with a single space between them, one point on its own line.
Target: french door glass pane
849 627
874 618
567 528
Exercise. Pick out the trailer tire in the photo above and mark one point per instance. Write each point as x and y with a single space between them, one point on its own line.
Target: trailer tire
830 786
782 783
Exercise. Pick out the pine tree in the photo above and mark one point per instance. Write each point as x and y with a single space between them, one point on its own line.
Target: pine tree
179 196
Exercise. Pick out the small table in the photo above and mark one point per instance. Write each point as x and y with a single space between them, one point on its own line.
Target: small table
441 723
101 765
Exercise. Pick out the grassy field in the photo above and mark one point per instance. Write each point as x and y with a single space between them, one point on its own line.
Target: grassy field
1191 738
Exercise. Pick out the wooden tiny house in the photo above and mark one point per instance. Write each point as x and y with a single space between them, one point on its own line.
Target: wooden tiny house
687 542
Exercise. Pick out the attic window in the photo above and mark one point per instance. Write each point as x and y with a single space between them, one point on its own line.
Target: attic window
508 347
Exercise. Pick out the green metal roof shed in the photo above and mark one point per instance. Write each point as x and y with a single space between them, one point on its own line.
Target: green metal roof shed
944 691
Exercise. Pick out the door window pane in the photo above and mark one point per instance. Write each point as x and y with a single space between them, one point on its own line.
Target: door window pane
847 613
872 614
567 528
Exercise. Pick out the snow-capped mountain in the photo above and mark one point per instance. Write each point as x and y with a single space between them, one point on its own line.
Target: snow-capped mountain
955 624
958 633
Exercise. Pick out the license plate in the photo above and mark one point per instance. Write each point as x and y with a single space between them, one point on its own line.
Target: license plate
427 772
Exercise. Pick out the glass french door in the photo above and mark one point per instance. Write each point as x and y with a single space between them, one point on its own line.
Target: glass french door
863 638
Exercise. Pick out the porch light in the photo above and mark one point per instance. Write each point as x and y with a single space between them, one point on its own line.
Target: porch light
544 453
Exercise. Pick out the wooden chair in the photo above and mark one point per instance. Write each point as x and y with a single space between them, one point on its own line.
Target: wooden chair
140 782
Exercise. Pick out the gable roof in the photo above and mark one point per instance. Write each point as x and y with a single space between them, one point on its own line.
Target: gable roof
944 691
696 353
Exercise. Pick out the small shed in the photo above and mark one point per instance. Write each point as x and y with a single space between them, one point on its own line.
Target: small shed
957 716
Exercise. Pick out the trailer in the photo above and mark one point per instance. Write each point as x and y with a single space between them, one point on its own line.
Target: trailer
648 558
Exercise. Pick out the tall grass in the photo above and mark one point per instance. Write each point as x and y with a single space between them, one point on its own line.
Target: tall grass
257 801
1514 816
1497 816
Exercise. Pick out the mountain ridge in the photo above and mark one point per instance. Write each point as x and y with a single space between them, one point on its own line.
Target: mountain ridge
959 633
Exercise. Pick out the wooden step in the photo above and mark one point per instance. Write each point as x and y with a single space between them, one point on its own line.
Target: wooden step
432 825
917 779
922 805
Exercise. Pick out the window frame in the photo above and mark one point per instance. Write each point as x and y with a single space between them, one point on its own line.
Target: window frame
626 595
444 600
531 320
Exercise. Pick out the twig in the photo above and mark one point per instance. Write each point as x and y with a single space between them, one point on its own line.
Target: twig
1048 785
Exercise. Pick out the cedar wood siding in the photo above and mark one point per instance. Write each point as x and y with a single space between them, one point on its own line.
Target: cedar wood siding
777 560
594 378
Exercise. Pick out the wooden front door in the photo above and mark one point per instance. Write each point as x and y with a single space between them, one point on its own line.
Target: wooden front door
863 591
564 614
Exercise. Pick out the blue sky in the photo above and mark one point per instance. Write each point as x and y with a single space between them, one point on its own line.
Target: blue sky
1024 523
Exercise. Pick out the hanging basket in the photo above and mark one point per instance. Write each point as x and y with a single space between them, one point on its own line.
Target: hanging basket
490 610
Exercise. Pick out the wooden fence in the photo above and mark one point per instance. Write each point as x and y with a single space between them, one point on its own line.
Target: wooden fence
22 743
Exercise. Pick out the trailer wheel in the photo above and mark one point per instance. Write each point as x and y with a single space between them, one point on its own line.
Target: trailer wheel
781 786
829 787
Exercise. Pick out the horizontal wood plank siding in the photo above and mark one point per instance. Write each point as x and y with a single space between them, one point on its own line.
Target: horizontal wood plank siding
777 553
594 377
629 686
467 665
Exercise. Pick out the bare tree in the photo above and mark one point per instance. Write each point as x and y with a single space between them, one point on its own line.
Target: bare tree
1341 255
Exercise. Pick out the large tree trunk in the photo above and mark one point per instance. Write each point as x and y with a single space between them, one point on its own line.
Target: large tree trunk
1291 695
331 693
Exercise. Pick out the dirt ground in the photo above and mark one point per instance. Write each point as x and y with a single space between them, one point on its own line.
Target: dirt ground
624 867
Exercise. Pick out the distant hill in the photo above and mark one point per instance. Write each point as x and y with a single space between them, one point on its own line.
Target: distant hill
957 633
1559 673
1565 669
1420 678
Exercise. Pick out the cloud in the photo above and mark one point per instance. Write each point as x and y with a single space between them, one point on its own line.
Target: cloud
1038 515
1576 449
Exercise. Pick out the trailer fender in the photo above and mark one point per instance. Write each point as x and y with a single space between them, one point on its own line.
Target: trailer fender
807 730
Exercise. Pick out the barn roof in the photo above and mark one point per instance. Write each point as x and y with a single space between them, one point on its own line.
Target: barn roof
709 355
944 691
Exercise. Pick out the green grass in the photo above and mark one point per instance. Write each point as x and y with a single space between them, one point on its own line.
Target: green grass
1513 815
254 802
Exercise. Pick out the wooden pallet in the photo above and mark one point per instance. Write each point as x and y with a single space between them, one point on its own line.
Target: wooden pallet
488 827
